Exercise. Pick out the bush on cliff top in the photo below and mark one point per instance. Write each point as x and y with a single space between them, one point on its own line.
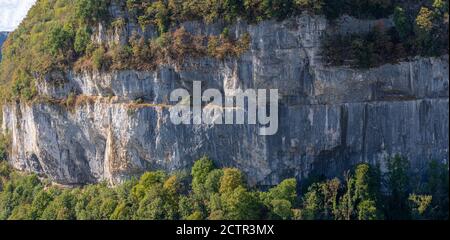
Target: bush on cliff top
417 32
41 43
53 37
56 33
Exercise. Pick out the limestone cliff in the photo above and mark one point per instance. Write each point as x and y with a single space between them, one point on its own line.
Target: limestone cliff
330 117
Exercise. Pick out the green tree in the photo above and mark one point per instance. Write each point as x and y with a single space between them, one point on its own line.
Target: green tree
398 186
420 206
151 207
330 191
282 208
232 9
240 204
286 190
231 180
123 211
367 182
41 202
315 6
200 172
61 208
186 207
437 185
4 146
22 212
362 53
426 37
254 11
347 203
215 207
278 9
321 200
368 191
212 182
158 11
59 40
276 199
82 39
19 192
195 216
313 203
96 202
99 59
24 86
402 24
424 20
6 201
367 210
147 182
91 10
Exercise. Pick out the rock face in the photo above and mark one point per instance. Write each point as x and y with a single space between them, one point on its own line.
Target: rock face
330 117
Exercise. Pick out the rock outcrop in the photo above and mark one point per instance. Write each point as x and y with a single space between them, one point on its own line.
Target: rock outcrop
330 117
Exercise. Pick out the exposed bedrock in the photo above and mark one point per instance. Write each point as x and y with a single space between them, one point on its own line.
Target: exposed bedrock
330 117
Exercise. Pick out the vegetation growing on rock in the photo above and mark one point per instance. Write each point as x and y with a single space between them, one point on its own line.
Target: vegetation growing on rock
417 32
171 47
56 34
54 37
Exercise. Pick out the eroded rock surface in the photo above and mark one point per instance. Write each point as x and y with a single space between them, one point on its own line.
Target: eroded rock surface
330 117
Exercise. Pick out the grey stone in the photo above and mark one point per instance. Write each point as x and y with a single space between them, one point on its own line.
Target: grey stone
330 117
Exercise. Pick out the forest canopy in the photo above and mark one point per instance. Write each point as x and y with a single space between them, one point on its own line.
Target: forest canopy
207 192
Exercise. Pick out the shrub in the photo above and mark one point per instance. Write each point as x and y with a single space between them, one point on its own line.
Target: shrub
91 10
398 183
59 40
24 86
402 23
71 100
420 206
5 144
99 58
82 39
